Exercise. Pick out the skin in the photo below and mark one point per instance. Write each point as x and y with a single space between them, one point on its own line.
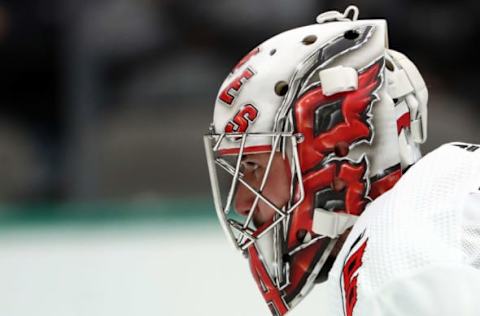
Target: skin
276 190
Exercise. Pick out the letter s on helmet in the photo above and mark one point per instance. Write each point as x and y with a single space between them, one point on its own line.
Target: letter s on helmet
346 112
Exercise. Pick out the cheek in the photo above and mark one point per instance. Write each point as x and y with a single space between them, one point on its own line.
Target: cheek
278 184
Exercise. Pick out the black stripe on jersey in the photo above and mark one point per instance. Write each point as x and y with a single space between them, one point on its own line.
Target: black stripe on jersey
356 242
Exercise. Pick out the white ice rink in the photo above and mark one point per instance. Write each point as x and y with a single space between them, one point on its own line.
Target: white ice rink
145 269
141 269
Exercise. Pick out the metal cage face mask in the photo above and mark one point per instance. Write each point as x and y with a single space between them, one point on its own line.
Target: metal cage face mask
284 270
225 168
284 274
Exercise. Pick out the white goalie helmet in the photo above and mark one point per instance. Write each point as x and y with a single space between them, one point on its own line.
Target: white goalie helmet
345 113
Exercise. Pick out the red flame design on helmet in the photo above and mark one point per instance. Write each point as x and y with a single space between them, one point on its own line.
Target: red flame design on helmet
348 123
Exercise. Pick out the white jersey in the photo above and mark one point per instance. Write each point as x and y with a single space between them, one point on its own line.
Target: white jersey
416 249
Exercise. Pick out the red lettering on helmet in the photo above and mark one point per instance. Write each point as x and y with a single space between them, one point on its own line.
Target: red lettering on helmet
229 94
340 178
245 59
355 106
350 175
350 277
339 175
241 121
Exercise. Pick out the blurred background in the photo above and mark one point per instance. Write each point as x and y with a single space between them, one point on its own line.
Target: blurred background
105 205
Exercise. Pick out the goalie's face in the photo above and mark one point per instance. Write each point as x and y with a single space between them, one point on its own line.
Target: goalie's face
276 189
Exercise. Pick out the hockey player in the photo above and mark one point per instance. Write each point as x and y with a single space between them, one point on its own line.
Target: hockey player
312 136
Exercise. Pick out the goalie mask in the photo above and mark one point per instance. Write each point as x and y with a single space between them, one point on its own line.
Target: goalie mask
343 114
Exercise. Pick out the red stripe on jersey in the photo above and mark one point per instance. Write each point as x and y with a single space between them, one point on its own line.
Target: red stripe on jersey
350 277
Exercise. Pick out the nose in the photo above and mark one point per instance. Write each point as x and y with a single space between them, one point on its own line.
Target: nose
243 200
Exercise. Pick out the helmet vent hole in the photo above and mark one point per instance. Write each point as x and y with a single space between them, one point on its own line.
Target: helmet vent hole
281 88
389 65
309 40
351 35
301 234
273 52
342 149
